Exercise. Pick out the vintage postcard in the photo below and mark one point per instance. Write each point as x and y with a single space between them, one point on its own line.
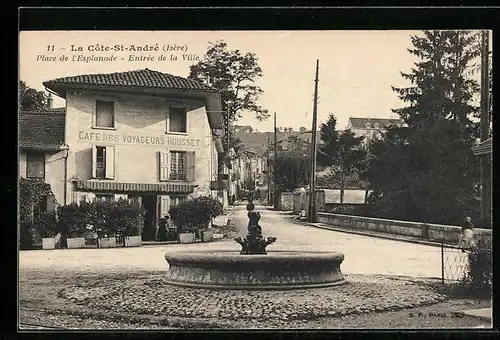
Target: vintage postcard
255 180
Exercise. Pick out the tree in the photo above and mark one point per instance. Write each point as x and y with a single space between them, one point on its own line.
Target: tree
290 170
440 88
234 74
341 151
31 99
426 171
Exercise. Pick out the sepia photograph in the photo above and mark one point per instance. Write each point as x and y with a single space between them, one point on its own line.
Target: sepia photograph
232 179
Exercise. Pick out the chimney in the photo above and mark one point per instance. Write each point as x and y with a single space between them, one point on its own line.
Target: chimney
49 102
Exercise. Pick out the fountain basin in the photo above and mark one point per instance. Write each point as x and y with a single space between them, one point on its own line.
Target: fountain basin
274 270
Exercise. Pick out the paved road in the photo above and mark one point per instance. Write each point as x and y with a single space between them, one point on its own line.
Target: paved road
363 254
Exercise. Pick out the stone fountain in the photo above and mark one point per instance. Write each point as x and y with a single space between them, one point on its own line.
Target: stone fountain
253 268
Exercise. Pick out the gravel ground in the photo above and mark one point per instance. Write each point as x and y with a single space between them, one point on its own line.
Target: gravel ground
142 301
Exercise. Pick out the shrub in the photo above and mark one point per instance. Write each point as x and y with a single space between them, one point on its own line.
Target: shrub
479 275
195 213
46 224
106 218
26 235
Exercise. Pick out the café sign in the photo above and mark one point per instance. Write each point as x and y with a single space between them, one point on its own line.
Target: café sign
139 140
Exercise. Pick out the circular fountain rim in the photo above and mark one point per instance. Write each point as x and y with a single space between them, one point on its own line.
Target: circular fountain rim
274 257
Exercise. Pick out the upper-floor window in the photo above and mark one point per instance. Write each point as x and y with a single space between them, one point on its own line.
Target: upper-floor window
367 125
104 114
376 126
177 119
35 165
103 162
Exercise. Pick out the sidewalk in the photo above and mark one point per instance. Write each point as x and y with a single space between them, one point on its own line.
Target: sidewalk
482 313
375 234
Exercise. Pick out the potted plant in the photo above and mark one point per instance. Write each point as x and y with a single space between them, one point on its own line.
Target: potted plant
129 219
194 216
73 222
45 224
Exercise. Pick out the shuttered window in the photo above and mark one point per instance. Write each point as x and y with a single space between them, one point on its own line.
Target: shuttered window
103 162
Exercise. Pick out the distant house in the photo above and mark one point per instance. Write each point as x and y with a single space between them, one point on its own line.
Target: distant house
371 128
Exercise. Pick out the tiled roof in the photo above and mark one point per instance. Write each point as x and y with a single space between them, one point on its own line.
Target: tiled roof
360 123
41 130
145 78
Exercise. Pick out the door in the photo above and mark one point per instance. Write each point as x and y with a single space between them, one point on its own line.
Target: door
150 206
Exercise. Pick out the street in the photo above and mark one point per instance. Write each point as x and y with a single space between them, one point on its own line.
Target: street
363 254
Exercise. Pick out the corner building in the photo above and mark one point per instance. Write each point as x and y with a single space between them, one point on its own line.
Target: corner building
141 135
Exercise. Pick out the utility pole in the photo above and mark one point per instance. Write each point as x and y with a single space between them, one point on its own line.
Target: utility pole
275 199
312 215
227 153
485 160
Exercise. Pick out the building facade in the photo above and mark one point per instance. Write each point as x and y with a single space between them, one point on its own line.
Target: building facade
140 135
371 128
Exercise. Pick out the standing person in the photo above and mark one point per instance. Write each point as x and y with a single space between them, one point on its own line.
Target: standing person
467 235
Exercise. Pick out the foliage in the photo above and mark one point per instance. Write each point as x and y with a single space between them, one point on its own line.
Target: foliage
423 174
31 193
233 73
440 86
426 172
46 224
480 271
195 213
26 234
119 218
342 152
31 99
290 170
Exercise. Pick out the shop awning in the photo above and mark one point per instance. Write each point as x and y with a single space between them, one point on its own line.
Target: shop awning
483 148
166 188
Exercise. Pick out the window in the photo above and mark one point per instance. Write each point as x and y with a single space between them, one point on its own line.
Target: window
105 197
35 165
103 159
178 166
105 114
175 200
376 126
367 125
177 119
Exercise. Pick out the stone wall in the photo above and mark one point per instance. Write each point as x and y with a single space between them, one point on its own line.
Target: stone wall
425 231
301 201
286 203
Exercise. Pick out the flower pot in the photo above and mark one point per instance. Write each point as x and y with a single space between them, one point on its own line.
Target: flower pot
76 242
133 241
187 238
207 235
106 242
48 243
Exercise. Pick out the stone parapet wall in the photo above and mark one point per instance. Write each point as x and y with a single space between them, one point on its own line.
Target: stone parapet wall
424 231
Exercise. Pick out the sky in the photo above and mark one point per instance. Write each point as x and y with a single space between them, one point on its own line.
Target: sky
356 68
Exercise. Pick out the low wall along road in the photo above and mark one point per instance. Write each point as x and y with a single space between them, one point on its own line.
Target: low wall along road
425 231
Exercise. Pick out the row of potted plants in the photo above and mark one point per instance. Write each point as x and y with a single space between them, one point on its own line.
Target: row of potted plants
119 223
103 221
